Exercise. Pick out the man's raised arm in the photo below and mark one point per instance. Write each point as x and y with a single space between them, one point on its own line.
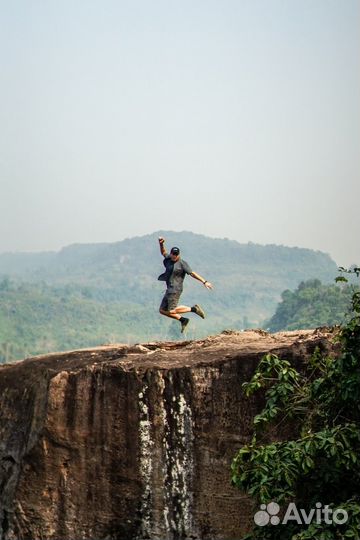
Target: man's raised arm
162 246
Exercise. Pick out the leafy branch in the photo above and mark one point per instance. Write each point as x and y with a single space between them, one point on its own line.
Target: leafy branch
323 461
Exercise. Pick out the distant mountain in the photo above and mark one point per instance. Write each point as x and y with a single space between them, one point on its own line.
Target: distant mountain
248 281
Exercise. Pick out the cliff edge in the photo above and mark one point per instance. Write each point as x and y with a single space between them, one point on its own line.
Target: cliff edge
133 442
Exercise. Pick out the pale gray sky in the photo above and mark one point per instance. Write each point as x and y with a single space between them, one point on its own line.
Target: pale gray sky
230 118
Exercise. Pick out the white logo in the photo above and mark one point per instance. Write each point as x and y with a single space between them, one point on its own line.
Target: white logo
321 514
267 514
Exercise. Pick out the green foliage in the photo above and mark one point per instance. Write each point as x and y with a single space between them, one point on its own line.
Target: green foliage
320 405
37 319
248 278
95 293
311 305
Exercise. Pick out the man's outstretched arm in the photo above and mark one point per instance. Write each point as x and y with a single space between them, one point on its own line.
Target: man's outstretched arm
162 246
207 284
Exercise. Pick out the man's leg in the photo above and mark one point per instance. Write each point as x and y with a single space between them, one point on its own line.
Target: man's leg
174 313
186 309
169 308
181 309
170 314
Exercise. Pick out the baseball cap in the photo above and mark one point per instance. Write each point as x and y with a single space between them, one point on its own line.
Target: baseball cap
175 251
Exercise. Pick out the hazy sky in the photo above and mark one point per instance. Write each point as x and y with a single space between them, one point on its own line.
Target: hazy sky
230 118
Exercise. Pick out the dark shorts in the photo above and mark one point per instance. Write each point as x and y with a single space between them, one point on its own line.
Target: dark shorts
170 301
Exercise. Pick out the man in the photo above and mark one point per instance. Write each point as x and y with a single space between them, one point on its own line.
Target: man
174 275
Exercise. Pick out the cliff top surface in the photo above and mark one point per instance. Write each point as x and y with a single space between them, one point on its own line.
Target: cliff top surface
176 354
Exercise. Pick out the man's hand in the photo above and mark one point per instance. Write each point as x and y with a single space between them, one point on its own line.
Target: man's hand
208 285
161 240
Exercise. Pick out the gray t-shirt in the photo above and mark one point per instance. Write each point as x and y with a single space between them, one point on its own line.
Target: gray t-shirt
174 274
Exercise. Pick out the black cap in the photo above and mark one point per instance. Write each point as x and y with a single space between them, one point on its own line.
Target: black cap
175 251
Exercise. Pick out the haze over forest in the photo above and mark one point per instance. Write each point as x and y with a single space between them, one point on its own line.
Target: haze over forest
91 294
236 119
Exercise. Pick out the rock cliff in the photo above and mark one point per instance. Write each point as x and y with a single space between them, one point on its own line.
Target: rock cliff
128 443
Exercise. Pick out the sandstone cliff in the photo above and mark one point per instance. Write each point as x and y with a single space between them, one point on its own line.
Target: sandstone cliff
125 443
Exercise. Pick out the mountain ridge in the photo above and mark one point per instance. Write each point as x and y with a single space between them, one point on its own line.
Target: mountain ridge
80 245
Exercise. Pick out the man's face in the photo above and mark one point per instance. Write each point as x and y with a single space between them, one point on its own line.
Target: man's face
174 257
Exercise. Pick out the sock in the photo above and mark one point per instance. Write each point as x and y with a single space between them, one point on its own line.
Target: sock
193 309
183 319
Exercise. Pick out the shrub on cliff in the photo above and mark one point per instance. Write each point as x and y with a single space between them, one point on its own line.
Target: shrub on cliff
307 487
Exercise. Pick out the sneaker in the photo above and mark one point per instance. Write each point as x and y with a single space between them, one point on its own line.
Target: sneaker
184 324
199 311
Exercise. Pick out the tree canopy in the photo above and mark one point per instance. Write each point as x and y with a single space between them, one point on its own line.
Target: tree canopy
311 305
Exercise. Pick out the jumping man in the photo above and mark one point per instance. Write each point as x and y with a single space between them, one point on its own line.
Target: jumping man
174 275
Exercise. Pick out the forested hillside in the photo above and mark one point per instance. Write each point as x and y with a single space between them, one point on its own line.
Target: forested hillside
312 304
90 294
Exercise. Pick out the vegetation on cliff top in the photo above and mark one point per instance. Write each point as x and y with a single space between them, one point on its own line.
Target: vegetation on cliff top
321 464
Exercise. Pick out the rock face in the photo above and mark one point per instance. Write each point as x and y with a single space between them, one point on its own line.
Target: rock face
125 443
